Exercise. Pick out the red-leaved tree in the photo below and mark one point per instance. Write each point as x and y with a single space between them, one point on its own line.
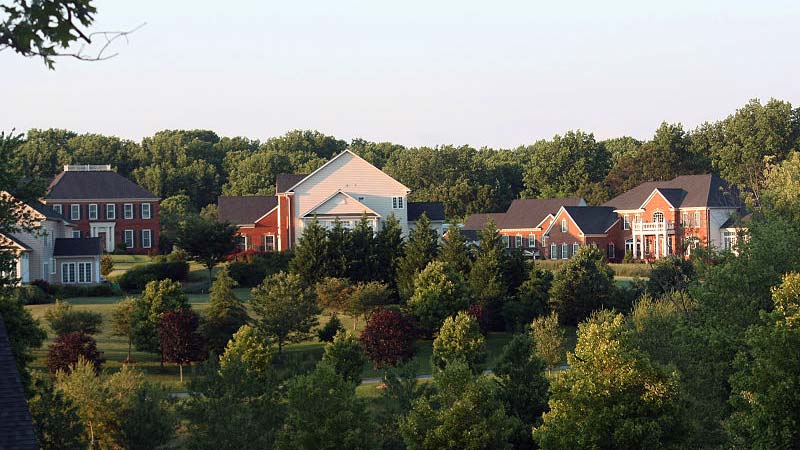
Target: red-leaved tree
65 350
389 338
180 341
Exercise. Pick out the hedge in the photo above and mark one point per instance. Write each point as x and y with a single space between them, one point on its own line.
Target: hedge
249 274
138 276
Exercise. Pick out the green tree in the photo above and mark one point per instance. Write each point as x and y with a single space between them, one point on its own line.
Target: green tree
582 285
454 251
55 418
362 252
206 241
337 420
24 332
172 211
439 293
366 298
255 173
333 293
337 257
286 310
346 357
64 320
764 395
389 246
420 249
158 298
460 339
123 322
225 313
612 396
670 274
781 192
486 280
310 254
464 413
148 418
531 300
548 338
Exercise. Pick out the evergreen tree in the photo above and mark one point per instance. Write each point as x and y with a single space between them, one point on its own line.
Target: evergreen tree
454 251
388 251
338 259
310 254
439 293
346 356
583 285
486 278
530 301
225 313
420 249
362 252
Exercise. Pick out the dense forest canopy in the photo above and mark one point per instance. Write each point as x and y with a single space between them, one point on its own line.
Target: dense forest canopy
202 165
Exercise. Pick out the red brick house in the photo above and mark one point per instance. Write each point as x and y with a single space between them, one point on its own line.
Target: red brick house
576 226
257 219
102 203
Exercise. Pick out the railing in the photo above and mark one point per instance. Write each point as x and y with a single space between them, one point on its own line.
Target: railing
654 227
87 168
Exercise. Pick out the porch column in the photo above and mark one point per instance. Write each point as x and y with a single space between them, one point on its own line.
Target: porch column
666 248
635 252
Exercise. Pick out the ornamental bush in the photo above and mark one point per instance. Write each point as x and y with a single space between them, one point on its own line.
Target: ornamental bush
389 338
67 349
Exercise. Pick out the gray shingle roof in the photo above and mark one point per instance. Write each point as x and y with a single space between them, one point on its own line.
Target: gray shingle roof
707 190
529 212
479 221
78 247
45 210
284 181
592 219
245 209
16 425
98 184
434 210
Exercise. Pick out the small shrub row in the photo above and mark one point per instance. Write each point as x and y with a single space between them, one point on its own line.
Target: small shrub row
41 292
137 277
250 274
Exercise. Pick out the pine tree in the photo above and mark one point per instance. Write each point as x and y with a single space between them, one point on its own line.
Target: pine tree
486 277
454 251
225 314
309 260
421 249
388 251
337 263
362 252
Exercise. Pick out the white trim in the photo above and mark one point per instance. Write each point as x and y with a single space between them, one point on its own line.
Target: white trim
265 215
149 238
113 210
334 159
125 211
72 211
649 197
564 250
149 211
95 207
99 200
125 238
58 208
368 209
518 238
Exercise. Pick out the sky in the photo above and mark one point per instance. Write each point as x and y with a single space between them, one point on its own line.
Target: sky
482 73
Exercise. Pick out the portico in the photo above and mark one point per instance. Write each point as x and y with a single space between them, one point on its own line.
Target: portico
660 232
104 230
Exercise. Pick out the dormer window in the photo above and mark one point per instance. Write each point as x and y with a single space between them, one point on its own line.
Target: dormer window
397 202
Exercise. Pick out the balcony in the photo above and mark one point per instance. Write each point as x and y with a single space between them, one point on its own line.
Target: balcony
654 227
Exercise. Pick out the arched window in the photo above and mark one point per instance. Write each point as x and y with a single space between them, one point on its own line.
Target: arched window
658 217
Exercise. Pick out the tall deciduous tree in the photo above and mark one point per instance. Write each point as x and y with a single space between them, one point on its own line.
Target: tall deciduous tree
123 322
206 241
285 308
421 248
180 342
460 339
158 298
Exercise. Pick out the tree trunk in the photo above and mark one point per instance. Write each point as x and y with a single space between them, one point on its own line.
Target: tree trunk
180 370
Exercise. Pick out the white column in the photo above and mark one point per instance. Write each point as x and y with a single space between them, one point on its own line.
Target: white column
635 250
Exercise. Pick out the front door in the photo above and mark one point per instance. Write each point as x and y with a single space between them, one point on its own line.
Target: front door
103 237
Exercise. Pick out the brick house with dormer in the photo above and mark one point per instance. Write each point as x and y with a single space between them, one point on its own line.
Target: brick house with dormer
102 203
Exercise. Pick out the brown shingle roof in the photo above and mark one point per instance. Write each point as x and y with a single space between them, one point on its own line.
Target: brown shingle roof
97 184
707 190
246 209
16 425
284 181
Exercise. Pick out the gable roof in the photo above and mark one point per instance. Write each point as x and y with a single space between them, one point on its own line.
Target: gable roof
589 219
46 211
245 209
330 161
434 211
672 195
78 247
284 181
16 425
707 190
355 206
11 239
530 212
95 184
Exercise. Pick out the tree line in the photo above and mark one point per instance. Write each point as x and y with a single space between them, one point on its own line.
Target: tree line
202 165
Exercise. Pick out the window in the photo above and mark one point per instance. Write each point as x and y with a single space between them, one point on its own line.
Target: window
612 251
697 220
241 243
269 243
626 222
127 210
75 212
506 242
111 211
553 251
397 202
76 234
575 248
57 208
93 211
146 236
52 266
85 272
564 251
531 240
45 268
658 217
728 240
46 238
517 241
145 210
68 273
563 225
685 220
129 238
629 246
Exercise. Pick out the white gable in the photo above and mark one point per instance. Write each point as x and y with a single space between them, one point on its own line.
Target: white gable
341 204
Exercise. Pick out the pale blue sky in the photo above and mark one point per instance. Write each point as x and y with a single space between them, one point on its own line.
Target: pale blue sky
490 73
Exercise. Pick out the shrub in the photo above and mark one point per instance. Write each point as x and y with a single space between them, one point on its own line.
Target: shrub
251 274
48 288
64 320
389 338
628 258
30 294
137 277
65 351
98 290
120 249
106 265
328 332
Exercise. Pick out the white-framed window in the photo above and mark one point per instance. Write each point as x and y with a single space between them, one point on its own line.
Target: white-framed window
129 238
85 272
629 246
564 225
111 211
241 242
697 220
145 210
531 240
397 202
269 243
68 273
518 241
58 209
146 239
685 220
127 210
52 266
626 222
658 217
46 238
553 251
564 251
506 242
575 248
93 211
45 268
76 234
75 212
728 240
612 250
